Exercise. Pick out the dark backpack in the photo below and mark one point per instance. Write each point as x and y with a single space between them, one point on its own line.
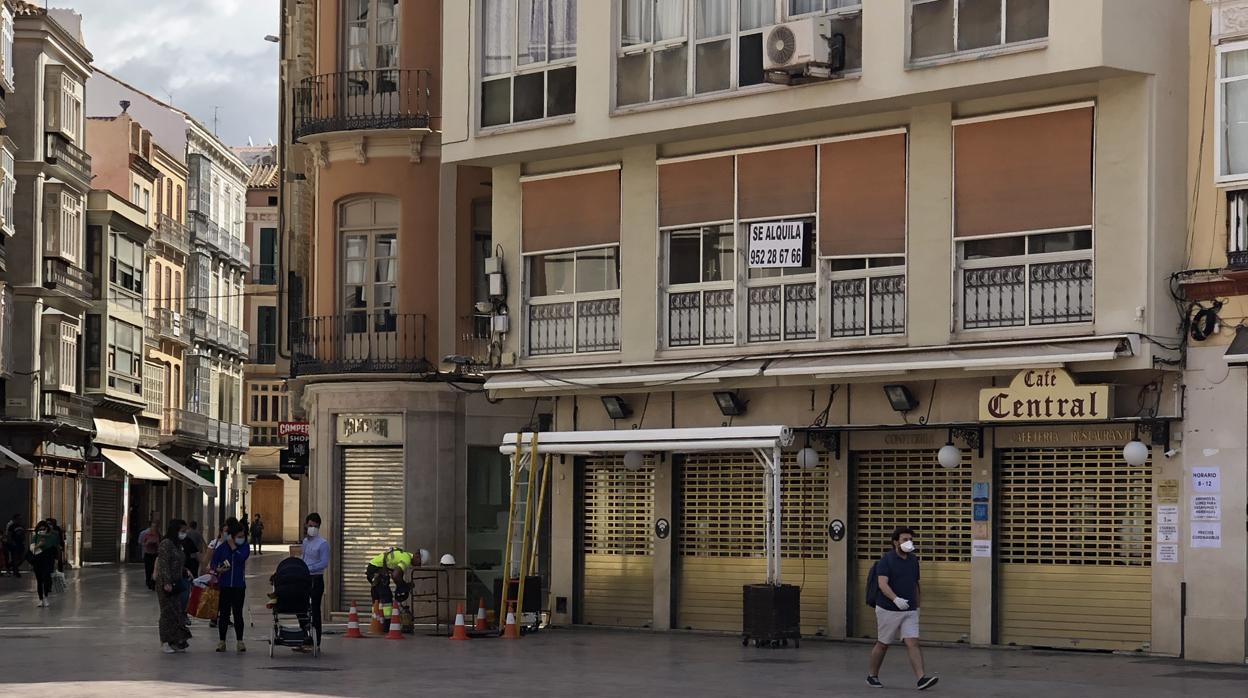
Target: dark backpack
873 584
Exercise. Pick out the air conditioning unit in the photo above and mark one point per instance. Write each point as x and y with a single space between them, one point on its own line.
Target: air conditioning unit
803 49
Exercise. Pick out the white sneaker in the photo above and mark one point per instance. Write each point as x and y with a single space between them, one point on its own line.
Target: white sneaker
164 647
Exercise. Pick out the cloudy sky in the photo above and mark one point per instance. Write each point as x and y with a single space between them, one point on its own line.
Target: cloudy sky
205 53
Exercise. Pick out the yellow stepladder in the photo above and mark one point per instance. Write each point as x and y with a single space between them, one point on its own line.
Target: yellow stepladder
523 520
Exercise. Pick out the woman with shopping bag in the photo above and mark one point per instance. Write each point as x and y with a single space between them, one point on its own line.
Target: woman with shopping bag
169 575
43 547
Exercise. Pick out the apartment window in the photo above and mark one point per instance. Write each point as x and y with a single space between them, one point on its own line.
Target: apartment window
369 232
155 376
372 42
654 61
135 193
1232 111
181 205
1026 280
6 46
574 301
940 28
71 108
266 335
60 355
266 271
147 199
125 356
178 292
125 268
701 295
8 187
63 224
528 63
867 296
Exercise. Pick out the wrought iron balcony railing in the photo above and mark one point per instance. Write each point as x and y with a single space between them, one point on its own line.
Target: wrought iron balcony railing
71 159
59 275
172 234
1027 294
373 342
264 274
265 354
574 326
363 99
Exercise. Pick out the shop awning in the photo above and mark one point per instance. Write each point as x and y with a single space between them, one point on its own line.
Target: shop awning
667 440
130 462
1006 356
180 471
13 460
1237 353
647 376
110 432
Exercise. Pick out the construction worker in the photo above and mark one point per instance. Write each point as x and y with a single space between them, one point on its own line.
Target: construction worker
392 564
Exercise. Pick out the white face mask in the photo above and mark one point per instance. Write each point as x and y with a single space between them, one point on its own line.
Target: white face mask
181 535
240 541
313 531
907 547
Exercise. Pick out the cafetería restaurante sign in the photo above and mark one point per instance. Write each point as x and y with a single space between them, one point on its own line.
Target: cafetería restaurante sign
1048 394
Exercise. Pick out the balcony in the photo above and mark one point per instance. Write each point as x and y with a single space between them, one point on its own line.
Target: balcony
380 342
72 162
67 408
263 274
1027 294
264 354
59 275
568 327
188 426
205 232
169 326
473 340
151 331
172 234
781 312
265 435
149 436
362 99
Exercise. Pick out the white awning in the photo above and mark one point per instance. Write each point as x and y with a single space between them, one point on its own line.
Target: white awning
1010 356
10 458
1237 353
110 432
130 462
647 376
667 440
180 471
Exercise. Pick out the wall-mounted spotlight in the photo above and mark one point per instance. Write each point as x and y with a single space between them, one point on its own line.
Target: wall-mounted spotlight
616 407
730 404
900 397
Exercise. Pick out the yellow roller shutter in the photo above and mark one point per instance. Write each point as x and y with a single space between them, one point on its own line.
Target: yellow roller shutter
909 488
721 539
1075 549
618 511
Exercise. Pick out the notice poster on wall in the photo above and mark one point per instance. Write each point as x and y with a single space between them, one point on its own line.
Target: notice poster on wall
1206 507
1168 553
777 244
981 548
1207 535
1207 479
1167 533
1168 514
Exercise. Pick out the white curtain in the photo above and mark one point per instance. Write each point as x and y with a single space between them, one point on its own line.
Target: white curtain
533 24
714 17
669 19
562 29
636 20
756 13
498 21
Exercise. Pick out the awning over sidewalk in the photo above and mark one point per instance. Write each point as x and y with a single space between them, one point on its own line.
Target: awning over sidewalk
13 460
180 471
648 376
130 462
110 432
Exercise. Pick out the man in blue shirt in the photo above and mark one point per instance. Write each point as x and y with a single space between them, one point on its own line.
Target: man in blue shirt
316 556
897 607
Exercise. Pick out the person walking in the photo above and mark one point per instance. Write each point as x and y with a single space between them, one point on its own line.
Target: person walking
897 608
229 561
171 581
43 547
149 542
316 557
15 544
257 535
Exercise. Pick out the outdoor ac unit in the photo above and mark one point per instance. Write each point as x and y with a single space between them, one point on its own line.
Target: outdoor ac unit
803 48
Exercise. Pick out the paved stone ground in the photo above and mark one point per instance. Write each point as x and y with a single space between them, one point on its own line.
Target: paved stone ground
100 640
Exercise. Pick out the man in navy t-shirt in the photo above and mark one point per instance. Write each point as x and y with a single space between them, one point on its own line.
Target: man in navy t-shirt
897 607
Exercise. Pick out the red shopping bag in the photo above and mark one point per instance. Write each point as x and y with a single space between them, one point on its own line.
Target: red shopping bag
192 604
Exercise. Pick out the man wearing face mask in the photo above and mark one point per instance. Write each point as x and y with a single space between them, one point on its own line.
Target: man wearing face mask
897 608
316 556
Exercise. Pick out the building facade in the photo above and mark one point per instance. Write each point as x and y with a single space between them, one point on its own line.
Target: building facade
376 227
943 229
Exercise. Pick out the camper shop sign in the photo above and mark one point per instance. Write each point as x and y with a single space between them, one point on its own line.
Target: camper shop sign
777 245
1044 395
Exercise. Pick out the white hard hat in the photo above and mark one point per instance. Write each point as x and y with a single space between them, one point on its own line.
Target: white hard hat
425 557
448 559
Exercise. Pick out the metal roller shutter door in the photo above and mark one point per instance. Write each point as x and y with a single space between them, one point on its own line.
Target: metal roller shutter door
105 521
372 515
909 488
721 545
618 543
1075 544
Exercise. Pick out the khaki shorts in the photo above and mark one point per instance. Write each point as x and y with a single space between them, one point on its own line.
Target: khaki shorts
894 626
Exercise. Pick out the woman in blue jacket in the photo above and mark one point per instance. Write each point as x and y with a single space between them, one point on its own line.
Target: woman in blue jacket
229 561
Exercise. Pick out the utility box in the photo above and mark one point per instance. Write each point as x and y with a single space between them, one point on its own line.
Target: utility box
771 614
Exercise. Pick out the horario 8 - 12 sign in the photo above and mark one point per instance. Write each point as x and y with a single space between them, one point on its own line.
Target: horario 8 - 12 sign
777 244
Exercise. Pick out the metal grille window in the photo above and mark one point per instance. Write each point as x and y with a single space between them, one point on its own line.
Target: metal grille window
868 296
1074 506
1021 280
780 302
940 28
574 301
619 508
909 488
700 278
528 60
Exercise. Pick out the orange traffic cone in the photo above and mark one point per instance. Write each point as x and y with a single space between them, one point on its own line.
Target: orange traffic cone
481 624
461 629
374 626
511 631
353 622
396 625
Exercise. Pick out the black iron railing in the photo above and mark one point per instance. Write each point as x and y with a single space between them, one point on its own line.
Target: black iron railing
264 354
363 342
62 153
264 274
362 99
1237 259
59 275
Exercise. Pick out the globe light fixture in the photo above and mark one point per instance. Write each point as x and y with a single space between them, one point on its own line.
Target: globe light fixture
949 456
633 460
1135 452
808 458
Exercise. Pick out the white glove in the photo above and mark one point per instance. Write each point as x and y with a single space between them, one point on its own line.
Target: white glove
901 604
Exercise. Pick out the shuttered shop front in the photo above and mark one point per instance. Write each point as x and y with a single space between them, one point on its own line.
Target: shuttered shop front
1075 549
103 521
722 539
909 488
618 544
372 514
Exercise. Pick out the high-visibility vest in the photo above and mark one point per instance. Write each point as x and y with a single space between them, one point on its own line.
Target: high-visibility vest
393 559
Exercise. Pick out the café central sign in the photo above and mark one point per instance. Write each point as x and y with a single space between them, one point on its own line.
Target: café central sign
1044 395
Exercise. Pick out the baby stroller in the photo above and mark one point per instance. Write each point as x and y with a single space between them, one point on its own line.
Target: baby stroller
292 607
